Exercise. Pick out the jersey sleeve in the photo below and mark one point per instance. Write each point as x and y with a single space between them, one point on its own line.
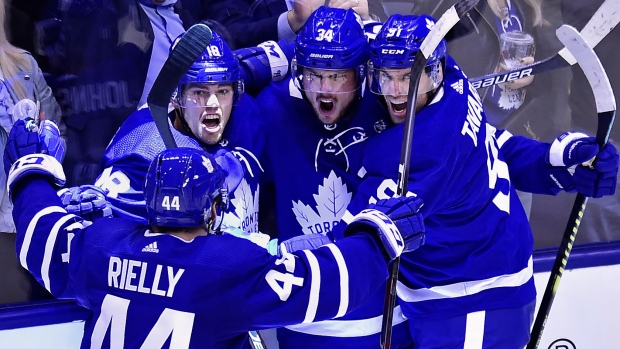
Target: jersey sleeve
526 159
46 234
124 181
304 286
266 62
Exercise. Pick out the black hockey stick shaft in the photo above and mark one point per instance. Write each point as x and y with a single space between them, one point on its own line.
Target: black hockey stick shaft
182 56
606 112
430 43
602 22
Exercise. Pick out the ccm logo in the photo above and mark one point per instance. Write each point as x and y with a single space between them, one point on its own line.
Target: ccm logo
392 52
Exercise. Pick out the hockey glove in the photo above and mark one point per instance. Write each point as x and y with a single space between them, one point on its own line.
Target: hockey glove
49 134
86 201
231 166
601 180
397 224
570 157
23 140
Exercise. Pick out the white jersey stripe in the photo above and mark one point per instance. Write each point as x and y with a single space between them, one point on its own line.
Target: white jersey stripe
462 289
348 328
344 280
23 252
474 330
315 286
49 250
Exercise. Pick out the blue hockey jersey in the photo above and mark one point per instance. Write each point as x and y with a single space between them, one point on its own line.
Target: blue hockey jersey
478 250
316 170
152 290
137 142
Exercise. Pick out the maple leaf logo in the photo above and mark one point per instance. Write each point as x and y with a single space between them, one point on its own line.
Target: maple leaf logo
331 203
245 214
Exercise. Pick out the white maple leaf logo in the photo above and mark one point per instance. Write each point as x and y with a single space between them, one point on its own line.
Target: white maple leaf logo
245 215
331 203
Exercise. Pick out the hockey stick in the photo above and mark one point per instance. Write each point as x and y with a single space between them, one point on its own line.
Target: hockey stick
430 43
601 23
606 109
186 51
183 55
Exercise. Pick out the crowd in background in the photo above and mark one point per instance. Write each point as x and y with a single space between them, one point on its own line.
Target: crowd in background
90 63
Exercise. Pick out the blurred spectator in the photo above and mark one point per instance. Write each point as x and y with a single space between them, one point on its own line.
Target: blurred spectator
537 109
98 73
21 79
475 42
254 21
601 221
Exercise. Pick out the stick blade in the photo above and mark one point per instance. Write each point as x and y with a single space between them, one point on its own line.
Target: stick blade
591 65
183 55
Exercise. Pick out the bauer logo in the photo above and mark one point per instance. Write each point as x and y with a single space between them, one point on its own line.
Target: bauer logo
502 78
319 55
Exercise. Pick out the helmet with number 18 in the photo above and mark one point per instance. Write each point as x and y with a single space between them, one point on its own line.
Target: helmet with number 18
207 93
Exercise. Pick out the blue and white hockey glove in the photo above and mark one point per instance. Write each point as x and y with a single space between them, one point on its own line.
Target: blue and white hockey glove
49 134
397 223
86 201
570 157
23 140
41 165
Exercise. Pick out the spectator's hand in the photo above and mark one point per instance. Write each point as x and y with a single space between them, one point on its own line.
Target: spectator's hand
86 201
519 83
302 9
359 6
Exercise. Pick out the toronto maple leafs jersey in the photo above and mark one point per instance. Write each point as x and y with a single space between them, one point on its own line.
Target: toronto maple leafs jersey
316 169
152 290
478 250
137 142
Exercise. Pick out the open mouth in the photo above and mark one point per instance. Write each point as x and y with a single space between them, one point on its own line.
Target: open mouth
398 106
211 122
326 105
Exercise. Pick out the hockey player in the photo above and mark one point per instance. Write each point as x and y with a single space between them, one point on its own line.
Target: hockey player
319 120
178 282
471 285
211 112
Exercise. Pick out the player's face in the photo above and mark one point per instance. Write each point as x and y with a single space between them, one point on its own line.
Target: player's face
395 87
330 92
207 109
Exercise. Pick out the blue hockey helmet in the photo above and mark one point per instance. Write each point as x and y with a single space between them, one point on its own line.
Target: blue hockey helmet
216 65
180 188
396 46
331 39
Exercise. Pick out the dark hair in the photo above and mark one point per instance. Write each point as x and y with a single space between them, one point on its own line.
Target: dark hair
222 30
